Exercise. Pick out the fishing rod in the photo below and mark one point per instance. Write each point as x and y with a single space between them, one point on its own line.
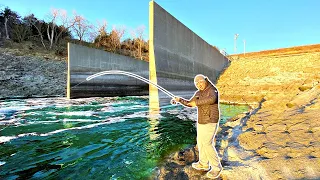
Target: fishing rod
131 75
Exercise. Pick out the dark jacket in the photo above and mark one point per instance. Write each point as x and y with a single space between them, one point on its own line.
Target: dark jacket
208 104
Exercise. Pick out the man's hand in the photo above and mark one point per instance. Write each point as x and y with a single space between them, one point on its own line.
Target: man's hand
177 99
173 101
192 104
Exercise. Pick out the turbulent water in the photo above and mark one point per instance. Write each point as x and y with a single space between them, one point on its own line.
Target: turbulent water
91 138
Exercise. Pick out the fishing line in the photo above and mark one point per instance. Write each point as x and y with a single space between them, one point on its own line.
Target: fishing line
131 75
78 84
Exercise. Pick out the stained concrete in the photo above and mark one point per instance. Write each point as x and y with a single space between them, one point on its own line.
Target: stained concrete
180 54
176 55
84 61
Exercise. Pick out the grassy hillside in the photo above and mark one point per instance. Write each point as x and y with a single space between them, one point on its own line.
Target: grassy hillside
296 50
281 73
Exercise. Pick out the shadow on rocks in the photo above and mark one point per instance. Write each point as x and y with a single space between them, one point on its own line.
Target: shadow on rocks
231 134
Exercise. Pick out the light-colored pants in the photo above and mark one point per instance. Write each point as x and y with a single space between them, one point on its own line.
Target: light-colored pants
205 140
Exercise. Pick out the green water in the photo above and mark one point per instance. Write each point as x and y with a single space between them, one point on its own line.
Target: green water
91 138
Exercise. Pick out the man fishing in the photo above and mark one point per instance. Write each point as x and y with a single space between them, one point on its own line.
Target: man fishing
206 99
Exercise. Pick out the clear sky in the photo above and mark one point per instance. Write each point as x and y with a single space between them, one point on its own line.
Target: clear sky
264 24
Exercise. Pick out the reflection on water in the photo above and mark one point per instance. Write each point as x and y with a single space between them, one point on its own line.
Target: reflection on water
90 138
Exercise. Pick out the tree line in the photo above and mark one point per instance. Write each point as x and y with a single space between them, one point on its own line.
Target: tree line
59 27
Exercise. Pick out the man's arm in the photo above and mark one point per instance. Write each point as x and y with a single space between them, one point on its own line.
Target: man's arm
209 100
187 102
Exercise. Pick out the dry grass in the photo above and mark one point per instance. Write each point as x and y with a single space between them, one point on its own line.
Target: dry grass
296 50
29 48
285 130
270 74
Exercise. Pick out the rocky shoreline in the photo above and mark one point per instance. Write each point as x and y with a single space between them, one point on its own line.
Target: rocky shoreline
178 165
29 77
280 137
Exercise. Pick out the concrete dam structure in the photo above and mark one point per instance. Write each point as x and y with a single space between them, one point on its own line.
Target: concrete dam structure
176 55
84 61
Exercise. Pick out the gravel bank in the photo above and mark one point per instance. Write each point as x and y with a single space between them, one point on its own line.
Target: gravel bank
25 76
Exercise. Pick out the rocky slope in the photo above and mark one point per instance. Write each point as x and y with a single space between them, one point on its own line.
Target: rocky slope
280 137
26 76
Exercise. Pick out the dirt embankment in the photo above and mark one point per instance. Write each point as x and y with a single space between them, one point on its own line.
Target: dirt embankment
280 137
27 76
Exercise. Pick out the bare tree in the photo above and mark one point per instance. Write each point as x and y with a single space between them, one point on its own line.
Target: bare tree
140 34
81 26
102 27
38 25
20 32
132 49
66 24
116 36
100 30
9 16
6 13
52 17
6 27
121 30
114 41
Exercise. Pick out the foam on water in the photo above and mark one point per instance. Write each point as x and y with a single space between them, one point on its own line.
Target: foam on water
4 139
12 110
7 122
9 138
77 113
92 136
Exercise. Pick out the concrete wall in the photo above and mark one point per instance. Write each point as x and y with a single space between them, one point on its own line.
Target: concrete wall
176 55
180 54
84 61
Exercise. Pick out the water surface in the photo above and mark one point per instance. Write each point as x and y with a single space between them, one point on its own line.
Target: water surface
92 138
